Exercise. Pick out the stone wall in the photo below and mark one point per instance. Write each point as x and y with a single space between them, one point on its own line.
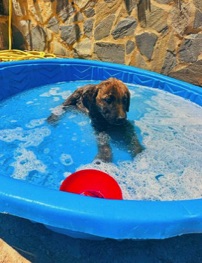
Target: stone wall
160 35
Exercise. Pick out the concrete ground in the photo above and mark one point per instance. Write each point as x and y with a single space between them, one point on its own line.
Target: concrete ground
40 245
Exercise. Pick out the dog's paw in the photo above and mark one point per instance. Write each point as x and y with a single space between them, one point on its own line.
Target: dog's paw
136 150
104 154
97 161
139 149
52 119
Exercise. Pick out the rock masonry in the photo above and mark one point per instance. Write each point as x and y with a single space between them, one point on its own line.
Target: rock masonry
159 35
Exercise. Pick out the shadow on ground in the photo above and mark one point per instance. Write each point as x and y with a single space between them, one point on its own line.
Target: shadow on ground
40 245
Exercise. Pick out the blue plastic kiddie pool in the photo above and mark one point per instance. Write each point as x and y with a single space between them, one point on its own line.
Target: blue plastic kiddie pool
87 217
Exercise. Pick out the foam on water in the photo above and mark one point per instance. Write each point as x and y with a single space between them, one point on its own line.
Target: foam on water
170 167
169 127
24 162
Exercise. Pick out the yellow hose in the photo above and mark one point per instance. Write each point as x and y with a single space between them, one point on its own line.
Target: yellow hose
14 54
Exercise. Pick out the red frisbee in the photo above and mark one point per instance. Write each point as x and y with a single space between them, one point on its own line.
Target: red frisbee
94 183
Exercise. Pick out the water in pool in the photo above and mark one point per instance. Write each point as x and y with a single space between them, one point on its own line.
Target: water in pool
169 127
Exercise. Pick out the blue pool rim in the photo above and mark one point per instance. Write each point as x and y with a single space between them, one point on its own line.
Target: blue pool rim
87 217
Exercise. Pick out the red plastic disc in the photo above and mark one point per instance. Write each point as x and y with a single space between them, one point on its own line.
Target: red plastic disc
94 183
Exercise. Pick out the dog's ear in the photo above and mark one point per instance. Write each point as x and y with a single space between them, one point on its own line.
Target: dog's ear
89 96
128 102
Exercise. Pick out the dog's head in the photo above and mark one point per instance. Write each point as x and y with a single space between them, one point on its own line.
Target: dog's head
113 101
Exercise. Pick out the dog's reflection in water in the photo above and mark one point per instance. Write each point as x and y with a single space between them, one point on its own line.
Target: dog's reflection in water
107 104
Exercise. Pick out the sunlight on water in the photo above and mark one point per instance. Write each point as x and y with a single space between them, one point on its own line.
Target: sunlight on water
169 127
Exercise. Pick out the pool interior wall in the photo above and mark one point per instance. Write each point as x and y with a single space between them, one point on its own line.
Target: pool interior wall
85 216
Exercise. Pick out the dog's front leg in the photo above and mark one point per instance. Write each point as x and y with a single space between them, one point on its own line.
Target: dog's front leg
131 140
56 115
71 101
104 149
134 146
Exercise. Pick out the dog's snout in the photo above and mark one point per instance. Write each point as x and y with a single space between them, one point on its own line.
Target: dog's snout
120 120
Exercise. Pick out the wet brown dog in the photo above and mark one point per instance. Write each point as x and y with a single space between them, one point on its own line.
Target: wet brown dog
107 104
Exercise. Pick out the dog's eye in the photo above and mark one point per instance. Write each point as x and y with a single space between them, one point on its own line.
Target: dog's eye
108 99
125 100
